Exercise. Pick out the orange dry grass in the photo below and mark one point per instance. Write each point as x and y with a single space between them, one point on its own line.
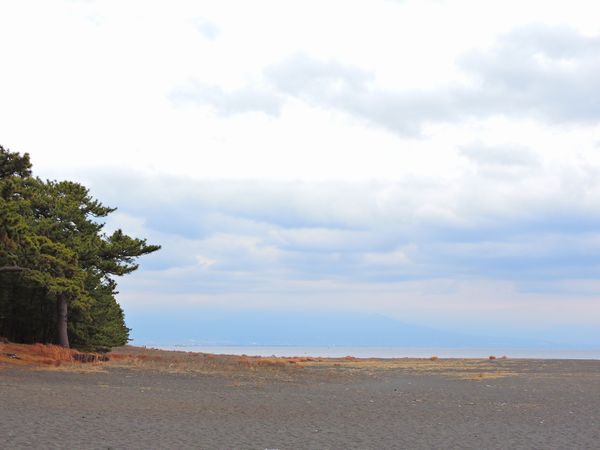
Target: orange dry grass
176 361
53 352
37 355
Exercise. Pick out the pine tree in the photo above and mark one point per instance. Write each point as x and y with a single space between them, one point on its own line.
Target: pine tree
54 256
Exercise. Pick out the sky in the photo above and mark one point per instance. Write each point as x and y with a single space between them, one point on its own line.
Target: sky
433 162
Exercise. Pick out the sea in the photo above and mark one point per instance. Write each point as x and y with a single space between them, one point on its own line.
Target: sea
392 352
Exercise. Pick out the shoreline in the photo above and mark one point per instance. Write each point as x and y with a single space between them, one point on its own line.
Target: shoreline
389 352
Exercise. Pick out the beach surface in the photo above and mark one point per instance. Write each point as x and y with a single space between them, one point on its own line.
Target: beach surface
158 399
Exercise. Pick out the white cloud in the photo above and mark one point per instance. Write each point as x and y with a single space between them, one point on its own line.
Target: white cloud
229 103
503 156
537 71
395 258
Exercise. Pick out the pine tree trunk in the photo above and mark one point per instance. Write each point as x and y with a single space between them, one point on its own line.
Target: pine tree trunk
63 338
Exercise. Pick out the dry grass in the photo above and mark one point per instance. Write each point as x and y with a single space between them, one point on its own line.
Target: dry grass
453 367
39 356
485 376
206 363
468 369
51 356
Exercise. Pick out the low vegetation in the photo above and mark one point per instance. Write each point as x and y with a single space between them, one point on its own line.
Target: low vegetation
138 358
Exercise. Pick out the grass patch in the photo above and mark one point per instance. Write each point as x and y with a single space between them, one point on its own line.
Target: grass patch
42 356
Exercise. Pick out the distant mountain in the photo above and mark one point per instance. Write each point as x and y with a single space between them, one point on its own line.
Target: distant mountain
254 327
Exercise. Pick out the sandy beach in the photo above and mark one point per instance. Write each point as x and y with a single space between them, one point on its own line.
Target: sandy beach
177 400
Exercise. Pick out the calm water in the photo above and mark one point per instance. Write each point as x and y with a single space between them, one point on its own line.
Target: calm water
392 352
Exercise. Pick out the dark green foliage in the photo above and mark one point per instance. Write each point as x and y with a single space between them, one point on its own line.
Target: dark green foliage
14 164
26 313
53 251
103 326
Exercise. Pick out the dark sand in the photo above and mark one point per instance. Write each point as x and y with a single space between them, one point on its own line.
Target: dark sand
542 404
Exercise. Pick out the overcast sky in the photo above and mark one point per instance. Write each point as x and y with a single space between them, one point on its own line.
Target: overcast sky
435 161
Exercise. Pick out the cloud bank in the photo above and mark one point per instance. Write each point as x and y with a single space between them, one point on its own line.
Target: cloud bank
542 72
372 232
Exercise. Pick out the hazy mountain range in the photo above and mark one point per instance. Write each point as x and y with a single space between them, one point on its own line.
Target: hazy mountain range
255 327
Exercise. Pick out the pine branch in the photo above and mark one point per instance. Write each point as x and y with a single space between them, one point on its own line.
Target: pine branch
12 269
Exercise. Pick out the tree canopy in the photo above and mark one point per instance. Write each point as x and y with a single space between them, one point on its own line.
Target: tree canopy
57 266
